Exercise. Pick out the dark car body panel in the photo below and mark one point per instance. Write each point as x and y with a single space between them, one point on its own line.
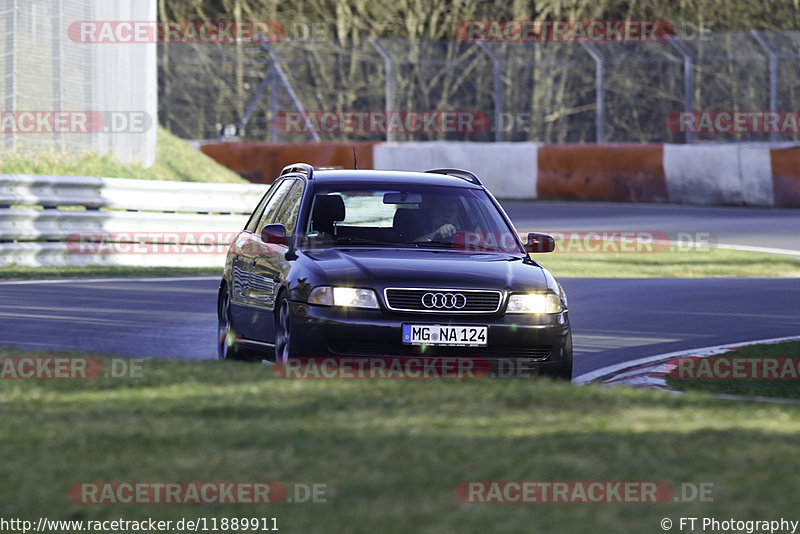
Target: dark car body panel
258 274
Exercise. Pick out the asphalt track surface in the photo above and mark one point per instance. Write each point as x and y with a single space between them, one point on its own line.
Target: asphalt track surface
753 227
614 320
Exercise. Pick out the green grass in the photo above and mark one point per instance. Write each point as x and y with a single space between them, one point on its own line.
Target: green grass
785 388
175 160
695 263
391 452
101 271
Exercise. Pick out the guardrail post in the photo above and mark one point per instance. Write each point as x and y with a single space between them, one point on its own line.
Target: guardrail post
600 124
497 72
688 83
773 76
389 67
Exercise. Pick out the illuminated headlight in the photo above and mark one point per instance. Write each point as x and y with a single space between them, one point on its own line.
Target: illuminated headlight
534 303
349 297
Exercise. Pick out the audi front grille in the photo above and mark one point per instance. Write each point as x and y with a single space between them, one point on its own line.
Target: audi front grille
442 300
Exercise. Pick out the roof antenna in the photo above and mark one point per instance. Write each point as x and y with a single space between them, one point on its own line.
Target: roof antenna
355 159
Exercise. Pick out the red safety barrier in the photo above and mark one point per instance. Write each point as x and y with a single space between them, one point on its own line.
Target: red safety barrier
786 176
262 162
626 173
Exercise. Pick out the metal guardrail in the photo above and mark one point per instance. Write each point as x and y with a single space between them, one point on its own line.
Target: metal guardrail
68 220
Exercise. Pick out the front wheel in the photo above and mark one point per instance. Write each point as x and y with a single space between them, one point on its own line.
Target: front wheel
283 332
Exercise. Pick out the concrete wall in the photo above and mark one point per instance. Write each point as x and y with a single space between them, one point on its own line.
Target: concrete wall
509 170
757 174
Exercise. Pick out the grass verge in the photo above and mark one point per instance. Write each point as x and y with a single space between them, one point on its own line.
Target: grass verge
175 160
673 263
784 388
391 452
102 271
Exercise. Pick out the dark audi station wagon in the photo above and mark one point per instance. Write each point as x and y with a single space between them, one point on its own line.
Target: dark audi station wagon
361 263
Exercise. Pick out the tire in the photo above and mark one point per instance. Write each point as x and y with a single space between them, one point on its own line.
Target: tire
283 332
227 347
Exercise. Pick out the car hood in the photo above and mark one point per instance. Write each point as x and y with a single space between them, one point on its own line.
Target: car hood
444 269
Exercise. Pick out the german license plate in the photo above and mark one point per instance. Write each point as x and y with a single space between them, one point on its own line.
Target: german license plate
426 334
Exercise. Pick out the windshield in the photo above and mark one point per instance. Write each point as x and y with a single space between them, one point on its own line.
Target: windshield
408 216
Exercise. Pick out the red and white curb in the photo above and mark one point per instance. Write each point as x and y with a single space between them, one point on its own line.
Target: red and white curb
651 372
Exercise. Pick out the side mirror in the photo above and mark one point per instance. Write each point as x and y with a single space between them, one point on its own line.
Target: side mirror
275 234
540 243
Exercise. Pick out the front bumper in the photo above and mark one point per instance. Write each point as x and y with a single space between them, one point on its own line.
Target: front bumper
528 341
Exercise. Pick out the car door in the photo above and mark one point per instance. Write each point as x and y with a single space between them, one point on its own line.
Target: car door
241 264
271 267
249 246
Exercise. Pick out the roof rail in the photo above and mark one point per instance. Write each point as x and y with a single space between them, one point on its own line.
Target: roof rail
458 173
302 168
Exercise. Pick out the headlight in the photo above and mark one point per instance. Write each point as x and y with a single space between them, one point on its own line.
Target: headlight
348 297
534 303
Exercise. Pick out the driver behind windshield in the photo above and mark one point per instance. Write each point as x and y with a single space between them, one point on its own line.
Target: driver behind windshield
440 215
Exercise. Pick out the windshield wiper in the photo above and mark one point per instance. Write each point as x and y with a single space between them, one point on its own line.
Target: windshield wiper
432 243
362 241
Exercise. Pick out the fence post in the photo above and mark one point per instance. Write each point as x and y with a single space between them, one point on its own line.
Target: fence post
688 83
773 76
276 65
91 85
497 71
599 92
12 22
389 66
57 53
274 104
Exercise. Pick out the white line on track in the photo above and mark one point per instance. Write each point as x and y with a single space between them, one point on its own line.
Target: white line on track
767 250
106 280
700 351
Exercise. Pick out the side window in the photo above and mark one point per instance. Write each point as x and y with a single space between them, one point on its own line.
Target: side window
289 210
256 215
273 205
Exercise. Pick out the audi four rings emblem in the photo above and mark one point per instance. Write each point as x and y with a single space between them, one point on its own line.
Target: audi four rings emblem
444 301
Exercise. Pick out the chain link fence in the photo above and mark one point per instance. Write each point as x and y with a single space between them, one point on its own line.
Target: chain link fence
550 92
98 89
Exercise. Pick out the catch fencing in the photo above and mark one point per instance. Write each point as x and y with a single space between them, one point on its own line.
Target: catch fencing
47 71
550 92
